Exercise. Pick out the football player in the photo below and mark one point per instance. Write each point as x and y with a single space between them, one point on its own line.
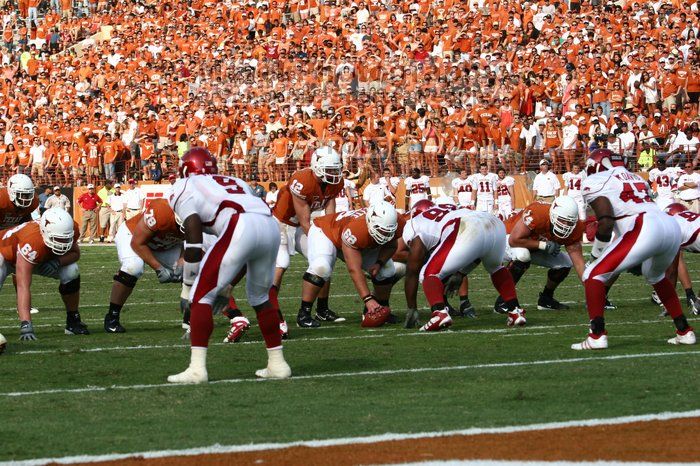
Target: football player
47 247
505 194
365 240
484 185
644 236
309 190
689 222
447 243
152 237
463 189
417 187
246 237
536 235
17 201
572 188
665 180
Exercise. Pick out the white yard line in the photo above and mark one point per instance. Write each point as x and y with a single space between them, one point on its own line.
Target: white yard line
377 333
388 437
498 365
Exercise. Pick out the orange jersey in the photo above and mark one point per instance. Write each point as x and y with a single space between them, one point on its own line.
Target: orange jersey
304 185
536 218
26 240
350 228
160 219
10 214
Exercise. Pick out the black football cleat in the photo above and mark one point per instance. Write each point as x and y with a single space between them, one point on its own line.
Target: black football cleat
609 306
112 324
76 327
548 303
326 315
466 309
304 320
500 307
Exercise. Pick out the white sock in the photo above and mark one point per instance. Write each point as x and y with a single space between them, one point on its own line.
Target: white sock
275 356
198 359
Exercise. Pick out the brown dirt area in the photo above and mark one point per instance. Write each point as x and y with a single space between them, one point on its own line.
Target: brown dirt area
655 441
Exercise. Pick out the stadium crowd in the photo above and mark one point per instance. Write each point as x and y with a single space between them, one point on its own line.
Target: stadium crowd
440 85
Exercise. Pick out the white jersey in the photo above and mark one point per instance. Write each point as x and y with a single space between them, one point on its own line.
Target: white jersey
666 183
572 183
484 185
428 225
627 192
690 230
342 202
502 191
418 189
464 190
211 195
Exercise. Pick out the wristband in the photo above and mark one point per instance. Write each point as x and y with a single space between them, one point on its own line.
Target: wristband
368 298
542 246
193 245
598 247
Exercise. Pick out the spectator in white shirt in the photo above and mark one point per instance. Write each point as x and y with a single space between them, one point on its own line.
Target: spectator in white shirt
134 199
684 144
58 200
689 188
117 215
627 141
570 141
375 191
546 185
271 196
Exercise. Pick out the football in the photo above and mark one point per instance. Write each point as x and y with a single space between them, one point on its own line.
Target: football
3 343
376 318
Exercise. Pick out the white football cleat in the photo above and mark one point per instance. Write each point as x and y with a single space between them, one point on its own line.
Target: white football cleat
284 329
34 310
439 320
189 376
278 370
239 327
695 306
687 338
516 318
592 342
655 298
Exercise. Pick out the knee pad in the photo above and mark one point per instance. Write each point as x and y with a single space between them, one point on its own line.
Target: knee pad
133 267
558 275
71 287
521 254
282 261
314 279
518 269
68 273
125 279
399 270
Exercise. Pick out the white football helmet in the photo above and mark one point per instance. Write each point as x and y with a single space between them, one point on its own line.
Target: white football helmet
382 222
445 201
326 164
563 215
56 226
20 188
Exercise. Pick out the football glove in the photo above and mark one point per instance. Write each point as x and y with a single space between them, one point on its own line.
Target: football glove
552 248
26 330
453 284
165 275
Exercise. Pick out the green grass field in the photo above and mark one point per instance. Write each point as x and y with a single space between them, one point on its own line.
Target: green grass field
104 393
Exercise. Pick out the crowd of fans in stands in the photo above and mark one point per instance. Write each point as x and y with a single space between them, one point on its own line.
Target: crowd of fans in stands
440 85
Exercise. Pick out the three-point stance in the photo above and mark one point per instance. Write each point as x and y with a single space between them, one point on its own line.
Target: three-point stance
445 243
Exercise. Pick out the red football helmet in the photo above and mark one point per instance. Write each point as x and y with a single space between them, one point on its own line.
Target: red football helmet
197 161
421 206
675 208
603 159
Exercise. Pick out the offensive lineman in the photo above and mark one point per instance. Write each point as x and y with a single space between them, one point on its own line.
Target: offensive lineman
47 247
644 236
17 201
365 240
246 237
152 237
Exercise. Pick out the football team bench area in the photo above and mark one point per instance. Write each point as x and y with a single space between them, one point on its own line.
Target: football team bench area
479 391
